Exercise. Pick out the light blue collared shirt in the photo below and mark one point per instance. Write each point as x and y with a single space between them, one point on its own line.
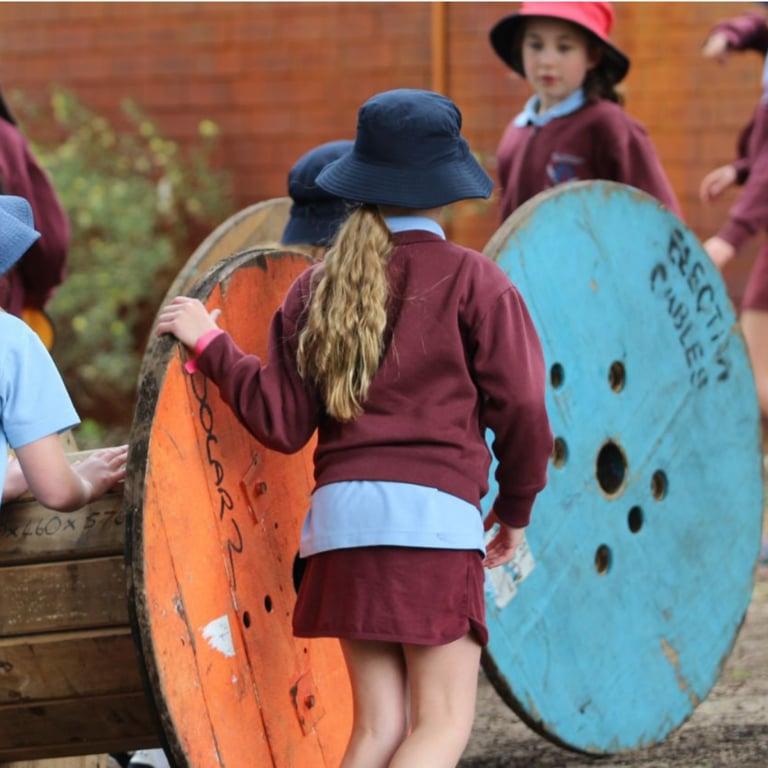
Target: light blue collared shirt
531 115
420 223
365 513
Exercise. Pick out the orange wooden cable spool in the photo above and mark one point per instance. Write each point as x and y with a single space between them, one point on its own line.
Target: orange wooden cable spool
257 226
212 552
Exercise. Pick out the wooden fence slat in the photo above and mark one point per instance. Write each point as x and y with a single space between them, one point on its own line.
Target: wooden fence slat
62 596
68 664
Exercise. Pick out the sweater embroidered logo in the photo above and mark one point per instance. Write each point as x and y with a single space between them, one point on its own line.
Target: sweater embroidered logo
562 167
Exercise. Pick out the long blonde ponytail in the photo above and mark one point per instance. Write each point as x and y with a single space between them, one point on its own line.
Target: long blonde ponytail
341 345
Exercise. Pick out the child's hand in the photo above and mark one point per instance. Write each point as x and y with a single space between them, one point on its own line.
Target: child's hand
102 470
503 545
719 250
716 47
716 182
15 483
187 319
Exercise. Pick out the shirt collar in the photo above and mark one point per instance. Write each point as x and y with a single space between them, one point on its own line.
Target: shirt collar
531 116
406 223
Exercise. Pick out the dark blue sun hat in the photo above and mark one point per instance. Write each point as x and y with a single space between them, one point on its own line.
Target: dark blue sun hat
408 153
315 213
17 230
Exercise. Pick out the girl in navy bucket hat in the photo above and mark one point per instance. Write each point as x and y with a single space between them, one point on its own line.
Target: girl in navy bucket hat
34 404
400 348
572 128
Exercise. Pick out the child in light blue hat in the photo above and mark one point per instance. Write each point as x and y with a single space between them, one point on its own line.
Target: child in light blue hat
34 404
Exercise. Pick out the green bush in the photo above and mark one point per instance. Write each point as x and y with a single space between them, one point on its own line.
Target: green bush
138 203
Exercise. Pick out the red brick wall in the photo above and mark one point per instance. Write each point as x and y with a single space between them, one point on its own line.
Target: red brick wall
280 78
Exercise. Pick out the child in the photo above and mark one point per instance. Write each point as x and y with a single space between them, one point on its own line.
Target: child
34 405
750 213
30 283
315 214
572 128
400 349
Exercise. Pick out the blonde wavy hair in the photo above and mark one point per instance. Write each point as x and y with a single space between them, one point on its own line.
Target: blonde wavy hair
342 343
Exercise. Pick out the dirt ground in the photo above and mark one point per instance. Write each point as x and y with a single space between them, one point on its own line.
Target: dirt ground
730 728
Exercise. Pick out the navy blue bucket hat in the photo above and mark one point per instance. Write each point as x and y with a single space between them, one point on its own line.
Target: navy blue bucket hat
17 230
408 153
315 213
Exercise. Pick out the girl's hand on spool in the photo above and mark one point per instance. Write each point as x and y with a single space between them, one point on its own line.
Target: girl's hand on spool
716 47
186 319
102 470
716 182
502 547
719 250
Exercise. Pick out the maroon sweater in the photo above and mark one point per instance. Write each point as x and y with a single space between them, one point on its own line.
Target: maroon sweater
750 212
598 141
42 268
461 354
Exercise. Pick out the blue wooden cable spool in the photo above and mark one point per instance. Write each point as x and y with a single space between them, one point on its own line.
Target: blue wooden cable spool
608 633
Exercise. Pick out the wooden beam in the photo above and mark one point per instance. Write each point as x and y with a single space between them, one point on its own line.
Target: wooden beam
63 596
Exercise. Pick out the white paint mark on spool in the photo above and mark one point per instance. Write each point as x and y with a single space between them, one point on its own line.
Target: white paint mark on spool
219 635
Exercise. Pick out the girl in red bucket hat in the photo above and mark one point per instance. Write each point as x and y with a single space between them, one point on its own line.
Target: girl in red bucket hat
572 128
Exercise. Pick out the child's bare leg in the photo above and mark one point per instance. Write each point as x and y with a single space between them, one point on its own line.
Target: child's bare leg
377 673
443 683
754 325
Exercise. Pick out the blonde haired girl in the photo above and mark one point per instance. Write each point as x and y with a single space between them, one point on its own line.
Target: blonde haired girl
400 349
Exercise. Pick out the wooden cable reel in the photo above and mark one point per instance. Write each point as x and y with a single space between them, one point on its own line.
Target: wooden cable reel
644 542
216 520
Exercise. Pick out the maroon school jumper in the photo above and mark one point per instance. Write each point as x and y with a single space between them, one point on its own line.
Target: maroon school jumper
42 268
598 141
461 354
749 214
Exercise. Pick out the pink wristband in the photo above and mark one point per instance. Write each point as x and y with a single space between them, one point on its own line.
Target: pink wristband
191 365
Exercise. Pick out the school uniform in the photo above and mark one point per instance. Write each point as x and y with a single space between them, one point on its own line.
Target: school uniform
394 535
749 214
577 140
33 399
43 267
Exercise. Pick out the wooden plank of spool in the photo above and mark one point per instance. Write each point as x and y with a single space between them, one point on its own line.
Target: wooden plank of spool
30 533
68 665
643 544
215 523
84 761
68 595
62 728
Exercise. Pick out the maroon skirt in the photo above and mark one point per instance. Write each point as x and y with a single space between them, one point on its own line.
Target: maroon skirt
394 594
756 293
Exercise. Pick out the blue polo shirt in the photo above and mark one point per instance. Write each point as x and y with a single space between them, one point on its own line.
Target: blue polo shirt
361 513
33 399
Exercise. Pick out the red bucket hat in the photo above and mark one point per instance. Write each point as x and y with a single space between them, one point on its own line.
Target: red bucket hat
594 18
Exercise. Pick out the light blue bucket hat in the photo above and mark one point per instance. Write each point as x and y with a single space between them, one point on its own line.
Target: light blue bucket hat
17 230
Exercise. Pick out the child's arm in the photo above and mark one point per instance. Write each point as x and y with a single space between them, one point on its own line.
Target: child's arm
741 33
58 485
270 399
15 484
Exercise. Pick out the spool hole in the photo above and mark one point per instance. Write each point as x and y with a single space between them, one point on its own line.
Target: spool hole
603 559
299 566
617 376
635 519
559 452
268 604
659 485
611 467
556 376
246 619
